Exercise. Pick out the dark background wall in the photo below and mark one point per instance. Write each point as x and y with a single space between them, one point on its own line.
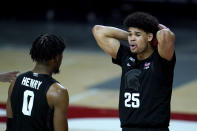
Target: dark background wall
85 10
21 21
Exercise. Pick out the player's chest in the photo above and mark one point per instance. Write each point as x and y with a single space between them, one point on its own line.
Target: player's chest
131 63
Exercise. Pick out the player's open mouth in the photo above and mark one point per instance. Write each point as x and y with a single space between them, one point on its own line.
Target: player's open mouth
133 46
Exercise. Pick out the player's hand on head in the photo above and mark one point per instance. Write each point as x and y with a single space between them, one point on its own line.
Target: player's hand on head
163 30
161 26
166 40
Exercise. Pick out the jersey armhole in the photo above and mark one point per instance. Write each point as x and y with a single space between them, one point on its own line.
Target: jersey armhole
168 65
122 53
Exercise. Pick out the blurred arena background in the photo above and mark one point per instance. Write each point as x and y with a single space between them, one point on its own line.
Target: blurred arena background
92 80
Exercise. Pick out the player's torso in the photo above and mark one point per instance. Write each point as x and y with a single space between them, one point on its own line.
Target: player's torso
142 91
29 102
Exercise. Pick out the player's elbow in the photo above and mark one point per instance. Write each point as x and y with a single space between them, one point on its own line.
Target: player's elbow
97 30
173 36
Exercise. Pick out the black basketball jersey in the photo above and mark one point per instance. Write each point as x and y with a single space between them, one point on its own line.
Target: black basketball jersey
145 91
30 108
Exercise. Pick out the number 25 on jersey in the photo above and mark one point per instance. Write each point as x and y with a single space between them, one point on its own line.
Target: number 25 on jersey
132 100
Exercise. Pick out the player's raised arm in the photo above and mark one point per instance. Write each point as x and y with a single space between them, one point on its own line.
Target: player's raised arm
108 38
166 39
59 100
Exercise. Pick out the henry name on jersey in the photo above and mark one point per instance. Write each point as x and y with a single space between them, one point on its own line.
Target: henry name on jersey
31 83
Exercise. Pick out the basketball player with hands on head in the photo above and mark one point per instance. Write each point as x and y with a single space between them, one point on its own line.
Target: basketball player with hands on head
147 65
36 101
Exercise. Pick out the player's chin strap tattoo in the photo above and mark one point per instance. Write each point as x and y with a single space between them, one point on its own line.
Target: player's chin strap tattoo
9 124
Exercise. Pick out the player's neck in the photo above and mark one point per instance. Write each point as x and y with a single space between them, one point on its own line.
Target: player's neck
144 55
42 69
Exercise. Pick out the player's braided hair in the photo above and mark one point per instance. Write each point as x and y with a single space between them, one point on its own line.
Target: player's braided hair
46 47
143 21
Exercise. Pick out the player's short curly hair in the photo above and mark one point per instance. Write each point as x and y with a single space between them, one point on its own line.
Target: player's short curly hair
143 21
46 47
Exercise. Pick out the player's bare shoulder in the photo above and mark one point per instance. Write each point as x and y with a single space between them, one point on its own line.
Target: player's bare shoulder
57 94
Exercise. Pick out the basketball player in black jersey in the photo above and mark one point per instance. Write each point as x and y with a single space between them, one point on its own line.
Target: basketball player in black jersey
8 76
147 64
36 101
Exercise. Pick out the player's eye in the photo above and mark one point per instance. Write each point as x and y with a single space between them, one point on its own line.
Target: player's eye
138 34
130 34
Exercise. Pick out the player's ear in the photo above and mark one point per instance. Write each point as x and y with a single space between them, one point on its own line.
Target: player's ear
55 60
58 58
150 37
52 61
154 41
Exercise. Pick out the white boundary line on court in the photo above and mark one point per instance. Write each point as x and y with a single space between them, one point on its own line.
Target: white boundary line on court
2 112
113 124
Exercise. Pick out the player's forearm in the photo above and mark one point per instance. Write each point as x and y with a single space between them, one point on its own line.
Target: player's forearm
8 76
109 31
166 40
1 78
4 77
